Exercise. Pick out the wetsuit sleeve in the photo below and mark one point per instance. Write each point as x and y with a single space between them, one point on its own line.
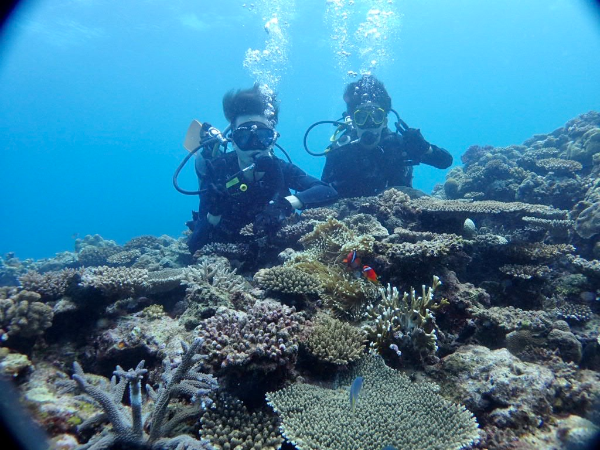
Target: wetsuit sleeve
421 151
311 191
438 157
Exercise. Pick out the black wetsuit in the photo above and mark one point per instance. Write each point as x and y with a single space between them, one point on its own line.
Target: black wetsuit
355 171
238 201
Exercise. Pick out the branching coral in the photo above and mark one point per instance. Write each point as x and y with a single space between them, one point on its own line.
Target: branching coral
408 320
185 380
264 338
391 411
334 341
51 285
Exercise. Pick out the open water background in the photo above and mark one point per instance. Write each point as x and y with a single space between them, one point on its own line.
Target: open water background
96 95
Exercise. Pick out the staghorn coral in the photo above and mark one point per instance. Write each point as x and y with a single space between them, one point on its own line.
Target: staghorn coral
115 281
23 315
334 341
264 338
407 320
287 280
185 380
229 425
50 285
391 411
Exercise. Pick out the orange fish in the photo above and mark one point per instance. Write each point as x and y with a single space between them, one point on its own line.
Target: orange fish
369 274
352 260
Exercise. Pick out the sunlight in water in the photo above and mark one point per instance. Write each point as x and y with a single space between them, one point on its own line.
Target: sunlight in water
363 34
267 65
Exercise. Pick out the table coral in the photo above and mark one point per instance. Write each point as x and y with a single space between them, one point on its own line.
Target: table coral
391 411
229 425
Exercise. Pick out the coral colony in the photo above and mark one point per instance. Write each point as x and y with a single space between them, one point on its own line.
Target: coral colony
476 326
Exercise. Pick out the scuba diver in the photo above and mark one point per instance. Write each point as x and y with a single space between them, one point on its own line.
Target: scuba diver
367 157
249 185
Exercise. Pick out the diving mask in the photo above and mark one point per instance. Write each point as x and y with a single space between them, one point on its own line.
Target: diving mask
362 114
254 136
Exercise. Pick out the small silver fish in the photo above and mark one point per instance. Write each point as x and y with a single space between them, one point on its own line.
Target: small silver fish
388 447
354 391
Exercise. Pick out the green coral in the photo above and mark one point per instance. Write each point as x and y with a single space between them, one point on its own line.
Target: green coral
335 341
391 410
229 425
287 280
345 294
154 312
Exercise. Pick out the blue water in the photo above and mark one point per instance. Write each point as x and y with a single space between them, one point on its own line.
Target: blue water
96 96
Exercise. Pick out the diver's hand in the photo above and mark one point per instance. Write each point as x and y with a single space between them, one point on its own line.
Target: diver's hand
416 145
216 199
273 216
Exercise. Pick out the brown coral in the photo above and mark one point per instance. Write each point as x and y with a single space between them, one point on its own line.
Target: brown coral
334 341
24 315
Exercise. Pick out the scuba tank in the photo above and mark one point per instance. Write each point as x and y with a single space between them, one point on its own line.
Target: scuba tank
207 139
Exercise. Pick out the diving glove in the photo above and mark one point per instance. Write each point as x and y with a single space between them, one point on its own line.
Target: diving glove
216 199
273 216
416 145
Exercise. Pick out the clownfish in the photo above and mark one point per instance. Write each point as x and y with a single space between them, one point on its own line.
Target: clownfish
352 260
369 274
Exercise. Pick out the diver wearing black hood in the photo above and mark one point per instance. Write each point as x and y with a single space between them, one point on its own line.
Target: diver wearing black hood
250 185
371 158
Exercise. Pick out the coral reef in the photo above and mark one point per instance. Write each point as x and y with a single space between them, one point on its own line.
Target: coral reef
23 315
115 281
391 411
334 341
287 280
229 425
513 332
262 339
184 380
403 323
